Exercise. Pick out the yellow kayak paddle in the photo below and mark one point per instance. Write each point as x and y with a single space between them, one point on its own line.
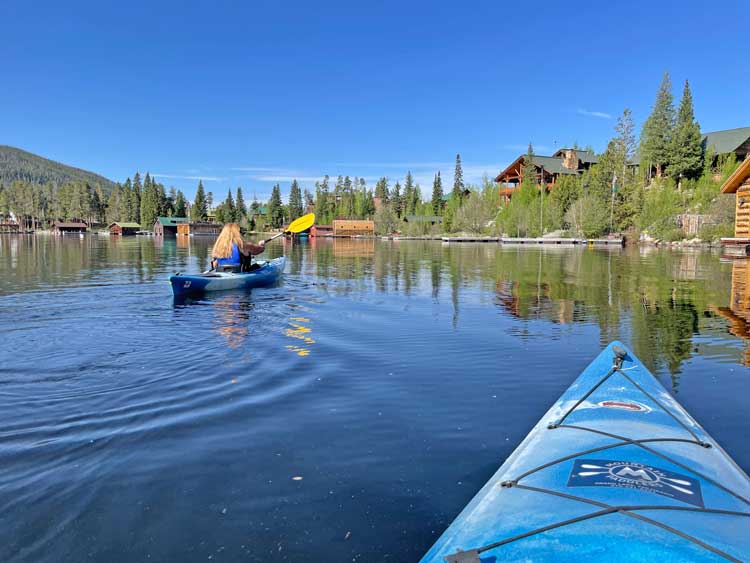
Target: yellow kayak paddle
297 226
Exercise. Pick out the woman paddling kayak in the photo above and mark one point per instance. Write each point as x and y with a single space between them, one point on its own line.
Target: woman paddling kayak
231 252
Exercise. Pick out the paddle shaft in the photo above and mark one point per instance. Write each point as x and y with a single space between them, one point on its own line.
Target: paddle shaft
274 237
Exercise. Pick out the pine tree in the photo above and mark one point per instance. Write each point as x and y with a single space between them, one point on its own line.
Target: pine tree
322 203
241 207
128 202
199 209
229 210
209 201
162 202
687 152
408 195
136 198
347 198
179 205
149 204
625 138
656 135
437 195
458 180
295 201
396 200
381 190
275 208
528 171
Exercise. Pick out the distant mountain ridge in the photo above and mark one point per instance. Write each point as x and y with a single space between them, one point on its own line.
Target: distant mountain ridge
17 164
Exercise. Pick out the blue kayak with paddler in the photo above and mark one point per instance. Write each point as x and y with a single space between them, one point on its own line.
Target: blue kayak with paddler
616 470
232 265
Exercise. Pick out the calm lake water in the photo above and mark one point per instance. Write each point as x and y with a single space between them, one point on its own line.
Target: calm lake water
346 414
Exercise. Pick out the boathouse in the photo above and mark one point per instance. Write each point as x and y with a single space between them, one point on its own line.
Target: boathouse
353 228
124 229
167 226
198 228
321 231
739 184
64 228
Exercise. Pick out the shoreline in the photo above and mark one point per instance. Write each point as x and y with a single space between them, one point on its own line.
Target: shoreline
464 238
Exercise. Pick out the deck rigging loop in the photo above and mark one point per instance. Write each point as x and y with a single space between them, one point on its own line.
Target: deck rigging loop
632 511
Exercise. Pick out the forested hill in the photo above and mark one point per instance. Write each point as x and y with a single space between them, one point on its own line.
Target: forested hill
17 164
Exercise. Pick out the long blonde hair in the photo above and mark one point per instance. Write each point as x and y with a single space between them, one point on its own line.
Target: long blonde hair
229 235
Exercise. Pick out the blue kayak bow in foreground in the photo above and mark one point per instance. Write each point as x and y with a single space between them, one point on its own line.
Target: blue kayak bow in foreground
616 470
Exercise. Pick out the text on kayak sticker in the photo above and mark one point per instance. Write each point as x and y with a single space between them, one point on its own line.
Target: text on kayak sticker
632 475
624 405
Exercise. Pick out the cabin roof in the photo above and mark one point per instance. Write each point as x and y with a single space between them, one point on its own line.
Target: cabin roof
69 225
171 221
126 225
726 141
732 184
552 164
262 210
583 155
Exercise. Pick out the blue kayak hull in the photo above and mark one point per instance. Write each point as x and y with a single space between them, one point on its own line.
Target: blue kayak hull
616 470
186 285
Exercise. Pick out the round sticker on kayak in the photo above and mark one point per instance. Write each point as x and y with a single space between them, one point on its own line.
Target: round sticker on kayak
624 406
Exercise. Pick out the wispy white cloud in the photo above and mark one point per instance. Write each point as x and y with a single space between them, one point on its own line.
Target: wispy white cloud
253 169
286 178
599 114
404 165
184 177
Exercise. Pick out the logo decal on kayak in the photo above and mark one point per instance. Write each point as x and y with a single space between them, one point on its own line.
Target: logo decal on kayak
632 475
624 405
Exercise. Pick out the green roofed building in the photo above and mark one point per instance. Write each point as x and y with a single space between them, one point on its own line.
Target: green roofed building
735 141
262 211
167 226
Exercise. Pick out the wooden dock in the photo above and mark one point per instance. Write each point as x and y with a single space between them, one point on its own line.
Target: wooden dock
470 239
558 241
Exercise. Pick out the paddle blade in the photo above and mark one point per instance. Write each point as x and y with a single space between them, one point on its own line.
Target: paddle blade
301 223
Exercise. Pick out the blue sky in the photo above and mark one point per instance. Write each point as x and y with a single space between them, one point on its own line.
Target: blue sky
251 93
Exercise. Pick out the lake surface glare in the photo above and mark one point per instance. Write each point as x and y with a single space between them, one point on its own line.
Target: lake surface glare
347 413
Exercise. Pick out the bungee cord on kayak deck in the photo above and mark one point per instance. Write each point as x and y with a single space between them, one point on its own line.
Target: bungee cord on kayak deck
472 555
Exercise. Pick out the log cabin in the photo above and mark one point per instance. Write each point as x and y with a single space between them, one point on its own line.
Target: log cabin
739 184
124 229
548 169
351 228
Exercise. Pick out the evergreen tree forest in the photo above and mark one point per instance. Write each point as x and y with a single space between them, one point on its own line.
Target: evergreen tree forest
637 185
35 205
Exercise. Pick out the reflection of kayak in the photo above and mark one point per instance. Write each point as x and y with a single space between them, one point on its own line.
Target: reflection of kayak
196 284
615 471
